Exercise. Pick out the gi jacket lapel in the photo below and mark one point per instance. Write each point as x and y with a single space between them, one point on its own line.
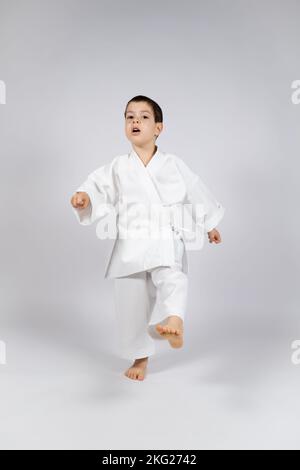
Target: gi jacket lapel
145 173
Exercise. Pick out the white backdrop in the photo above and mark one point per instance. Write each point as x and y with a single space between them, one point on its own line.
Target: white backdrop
222 73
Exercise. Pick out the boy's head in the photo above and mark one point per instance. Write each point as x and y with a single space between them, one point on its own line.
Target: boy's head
144 114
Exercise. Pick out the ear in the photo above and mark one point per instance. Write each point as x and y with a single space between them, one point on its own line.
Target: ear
159 127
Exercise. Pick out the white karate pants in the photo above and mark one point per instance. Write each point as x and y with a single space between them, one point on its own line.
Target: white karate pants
144 299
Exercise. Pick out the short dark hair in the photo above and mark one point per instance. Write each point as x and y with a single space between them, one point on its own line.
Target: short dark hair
157 111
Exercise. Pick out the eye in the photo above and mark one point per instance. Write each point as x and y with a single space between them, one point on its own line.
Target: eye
130 117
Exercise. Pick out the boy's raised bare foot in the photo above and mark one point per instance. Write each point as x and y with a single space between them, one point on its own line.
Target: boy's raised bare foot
138 370
172 331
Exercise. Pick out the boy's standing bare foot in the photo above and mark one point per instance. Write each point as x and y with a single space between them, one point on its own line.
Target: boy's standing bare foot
172 331
138 370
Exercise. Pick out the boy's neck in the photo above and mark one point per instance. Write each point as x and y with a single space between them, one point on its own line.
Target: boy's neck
145 153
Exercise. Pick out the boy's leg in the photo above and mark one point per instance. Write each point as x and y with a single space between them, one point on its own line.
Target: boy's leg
171 294
132 314
171 288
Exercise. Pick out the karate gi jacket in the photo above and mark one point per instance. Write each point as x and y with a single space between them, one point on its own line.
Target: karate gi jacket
147 206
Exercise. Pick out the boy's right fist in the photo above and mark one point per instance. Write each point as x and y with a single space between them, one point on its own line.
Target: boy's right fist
80 200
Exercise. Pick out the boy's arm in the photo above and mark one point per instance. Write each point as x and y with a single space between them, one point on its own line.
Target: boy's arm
214 211
101 188
198 193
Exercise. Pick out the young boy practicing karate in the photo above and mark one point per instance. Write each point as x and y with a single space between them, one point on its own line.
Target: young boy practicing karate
159 207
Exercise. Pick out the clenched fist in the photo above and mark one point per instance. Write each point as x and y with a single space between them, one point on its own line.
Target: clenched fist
80 200
214 236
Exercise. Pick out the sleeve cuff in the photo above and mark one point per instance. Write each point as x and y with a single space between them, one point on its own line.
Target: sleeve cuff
213 221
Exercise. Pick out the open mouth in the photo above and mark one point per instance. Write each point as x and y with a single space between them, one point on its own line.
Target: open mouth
135 131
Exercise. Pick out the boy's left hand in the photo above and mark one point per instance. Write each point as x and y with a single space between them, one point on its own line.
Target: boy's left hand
214 236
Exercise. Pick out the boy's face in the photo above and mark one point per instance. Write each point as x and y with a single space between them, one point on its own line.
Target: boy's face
140 115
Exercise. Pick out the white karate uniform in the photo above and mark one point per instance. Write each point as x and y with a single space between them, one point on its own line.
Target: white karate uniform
148 262
129 191
144 299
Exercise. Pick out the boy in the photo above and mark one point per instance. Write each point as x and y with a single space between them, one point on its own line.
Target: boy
148 263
